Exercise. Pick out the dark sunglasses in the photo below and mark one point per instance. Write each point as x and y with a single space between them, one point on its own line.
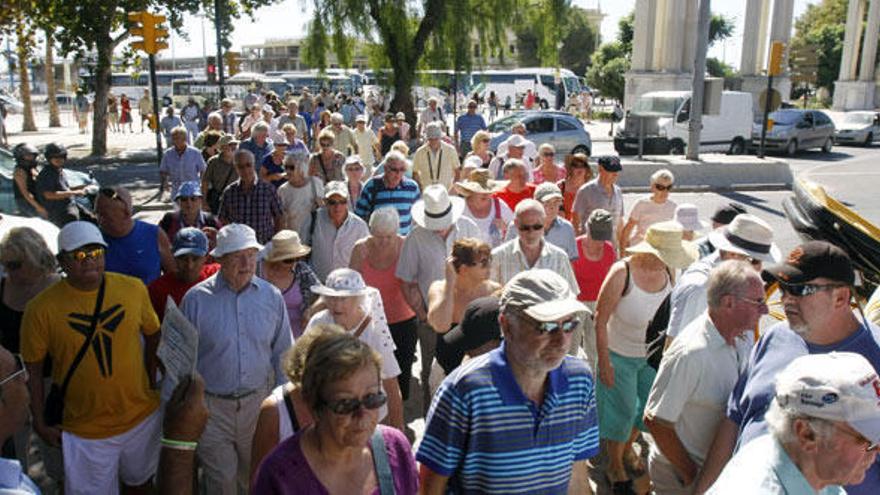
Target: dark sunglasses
11 266
289 261
370 401
326 144
547 153
804 290
566 326
336 202
109 193
536 227
395 170
661 187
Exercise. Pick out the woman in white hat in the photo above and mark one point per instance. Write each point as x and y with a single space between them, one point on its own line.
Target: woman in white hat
491 215
358 309
284 267
647 211
630 296
688 216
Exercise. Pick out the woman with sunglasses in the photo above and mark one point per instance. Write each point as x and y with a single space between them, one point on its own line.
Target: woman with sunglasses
388 134
547 169
284 266
577 173
327 163
480 148
338 453
466 279
358 309
28 268
647 211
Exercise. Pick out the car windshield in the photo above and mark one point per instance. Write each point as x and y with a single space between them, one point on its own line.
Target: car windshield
785 118
505 123
859 118
656 105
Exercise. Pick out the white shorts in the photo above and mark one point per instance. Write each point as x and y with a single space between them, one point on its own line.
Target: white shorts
96 466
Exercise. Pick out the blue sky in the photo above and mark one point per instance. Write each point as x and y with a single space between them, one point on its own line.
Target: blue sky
288 19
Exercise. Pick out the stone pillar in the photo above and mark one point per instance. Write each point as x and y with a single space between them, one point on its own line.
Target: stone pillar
751 32
643 35
691 28
869 48
783 11
658 59
763 30
673 42
851 41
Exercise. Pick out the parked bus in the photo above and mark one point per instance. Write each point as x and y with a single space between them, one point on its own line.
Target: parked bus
134 84
542 81
235 87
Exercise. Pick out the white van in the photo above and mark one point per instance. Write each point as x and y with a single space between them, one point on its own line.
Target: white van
663 117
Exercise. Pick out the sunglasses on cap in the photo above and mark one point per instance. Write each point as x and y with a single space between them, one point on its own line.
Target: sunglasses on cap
804 290
81 255
20 370
536 227
343 407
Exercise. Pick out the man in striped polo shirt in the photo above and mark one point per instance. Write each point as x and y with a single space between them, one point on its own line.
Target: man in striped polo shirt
391 188
521 418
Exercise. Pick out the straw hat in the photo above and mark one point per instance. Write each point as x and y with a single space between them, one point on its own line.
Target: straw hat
436 210
342 282
479 181
284 246
664 240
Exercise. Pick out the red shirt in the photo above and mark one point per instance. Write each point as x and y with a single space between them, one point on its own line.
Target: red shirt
513 198
168 285
590 274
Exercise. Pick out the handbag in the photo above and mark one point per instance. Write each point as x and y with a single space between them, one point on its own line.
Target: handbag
53 410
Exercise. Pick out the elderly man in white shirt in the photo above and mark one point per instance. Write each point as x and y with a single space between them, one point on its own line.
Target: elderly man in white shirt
336 231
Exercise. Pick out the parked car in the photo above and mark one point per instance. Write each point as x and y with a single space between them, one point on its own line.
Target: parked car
858 128
12 105
75 179
563 130
795 130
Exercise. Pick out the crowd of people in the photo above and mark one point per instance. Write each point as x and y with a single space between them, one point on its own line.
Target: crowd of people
319 264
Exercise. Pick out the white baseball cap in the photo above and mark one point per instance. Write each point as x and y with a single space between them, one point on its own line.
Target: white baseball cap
837 386
77 234
235 237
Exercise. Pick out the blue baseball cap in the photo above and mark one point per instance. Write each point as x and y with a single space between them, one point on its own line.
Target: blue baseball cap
190 240
189 189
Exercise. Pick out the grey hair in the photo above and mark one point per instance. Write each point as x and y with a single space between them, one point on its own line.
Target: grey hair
384 221
243 154
529 204
729 277
26 243
260 128
512 163
393 156
215 116
780 424
664 175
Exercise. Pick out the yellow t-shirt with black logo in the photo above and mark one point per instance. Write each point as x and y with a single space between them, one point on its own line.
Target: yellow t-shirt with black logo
109 392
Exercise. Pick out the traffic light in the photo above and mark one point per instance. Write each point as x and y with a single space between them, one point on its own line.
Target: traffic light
211 69
233 62
154 36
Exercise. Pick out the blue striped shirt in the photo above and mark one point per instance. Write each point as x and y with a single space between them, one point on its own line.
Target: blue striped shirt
487 437
376 195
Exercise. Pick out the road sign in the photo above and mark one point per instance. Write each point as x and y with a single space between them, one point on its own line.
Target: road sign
775 99
777 53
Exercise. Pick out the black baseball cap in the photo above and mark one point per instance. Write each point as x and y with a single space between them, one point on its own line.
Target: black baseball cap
479 325
811 260
610 163
726 213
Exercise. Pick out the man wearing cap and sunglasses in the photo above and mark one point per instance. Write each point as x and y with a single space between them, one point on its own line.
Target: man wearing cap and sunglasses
522 418
243 332
816 280
601 192
336 231
219 173
91 324
824 429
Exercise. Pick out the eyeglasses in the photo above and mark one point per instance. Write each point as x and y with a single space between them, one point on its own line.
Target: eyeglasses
289 261
804 290
336 202
370 401
395 170
326 144
661 187
869 447
535 227
547 153
20 370
761 303
11 266
81 255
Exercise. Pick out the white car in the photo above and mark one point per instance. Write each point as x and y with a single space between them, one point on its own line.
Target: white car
858 128
12 105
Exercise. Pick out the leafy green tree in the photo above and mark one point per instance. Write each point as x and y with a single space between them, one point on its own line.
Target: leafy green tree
822 27
578 43
606 73
717 68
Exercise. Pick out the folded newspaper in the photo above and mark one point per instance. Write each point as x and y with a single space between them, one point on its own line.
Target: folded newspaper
178 348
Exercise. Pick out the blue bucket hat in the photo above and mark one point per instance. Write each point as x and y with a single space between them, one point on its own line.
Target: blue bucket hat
190 240
189 189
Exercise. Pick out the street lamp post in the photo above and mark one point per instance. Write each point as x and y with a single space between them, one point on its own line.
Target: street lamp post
695 125
218 25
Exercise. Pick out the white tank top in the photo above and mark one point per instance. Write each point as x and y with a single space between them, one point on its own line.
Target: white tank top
285 429
627 325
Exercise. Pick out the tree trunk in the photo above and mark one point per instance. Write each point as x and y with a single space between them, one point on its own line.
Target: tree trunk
403 84
24 39
102 90
54 119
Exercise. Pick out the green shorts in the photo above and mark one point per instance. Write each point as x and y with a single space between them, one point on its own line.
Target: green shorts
622 406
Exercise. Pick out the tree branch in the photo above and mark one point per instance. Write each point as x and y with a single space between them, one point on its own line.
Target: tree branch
434 10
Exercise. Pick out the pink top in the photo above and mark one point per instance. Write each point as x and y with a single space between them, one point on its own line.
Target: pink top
590 274
396 307
538 174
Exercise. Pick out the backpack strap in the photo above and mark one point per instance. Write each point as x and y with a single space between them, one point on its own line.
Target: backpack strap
380 461
291 413
626 283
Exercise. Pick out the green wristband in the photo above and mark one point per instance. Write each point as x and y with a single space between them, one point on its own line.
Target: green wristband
179 445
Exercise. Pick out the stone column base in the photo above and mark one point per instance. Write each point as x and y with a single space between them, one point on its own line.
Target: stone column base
854 95
639 83
758 84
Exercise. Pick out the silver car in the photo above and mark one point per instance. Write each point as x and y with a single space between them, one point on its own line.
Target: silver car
561 129
858 128
794 130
